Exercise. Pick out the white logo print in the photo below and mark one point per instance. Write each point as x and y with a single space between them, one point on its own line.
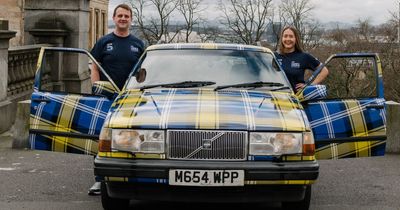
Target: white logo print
109 47
134 49
280 61
295 65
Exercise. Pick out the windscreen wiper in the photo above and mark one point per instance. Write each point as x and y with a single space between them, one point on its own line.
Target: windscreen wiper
184 84
250 85
281 88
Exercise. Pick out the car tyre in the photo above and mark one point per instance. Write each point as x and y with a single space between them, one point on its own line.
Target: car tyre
110 203
299 205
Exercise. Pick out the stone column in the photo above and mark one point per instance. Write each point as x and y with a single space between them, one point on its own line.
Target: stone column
56 38
392 128
61 23
5 36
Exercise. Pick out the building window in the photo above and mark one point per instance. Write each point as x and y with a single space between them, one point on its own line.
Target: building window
91 34
96 25
105 24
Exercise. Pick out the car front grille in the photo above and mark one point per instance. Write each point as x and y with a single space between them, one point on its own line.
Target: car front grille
206 145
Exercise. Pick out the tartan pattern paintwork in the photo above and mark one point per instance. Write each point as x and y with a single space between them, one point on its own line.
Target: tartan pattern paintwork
104 88
350 150
313 92
207 109
204 108
66 113
347 118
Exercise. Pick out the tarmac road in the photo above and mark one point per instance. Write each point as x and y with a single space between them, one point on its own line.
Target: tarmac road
46 180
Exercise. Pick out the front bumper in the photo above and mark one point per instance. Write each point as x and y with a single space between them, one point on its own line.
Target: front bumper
159 170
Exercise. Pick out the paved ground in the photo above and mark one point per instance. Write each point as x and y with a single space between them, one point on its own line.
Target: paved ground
46 180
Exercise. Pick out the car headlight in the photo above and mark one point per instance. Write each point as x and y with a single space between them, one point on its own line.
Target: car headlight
275 143
143 141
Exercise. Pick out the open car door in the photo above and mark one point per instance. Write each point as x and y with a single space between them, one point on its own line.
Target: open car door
350 120
65 115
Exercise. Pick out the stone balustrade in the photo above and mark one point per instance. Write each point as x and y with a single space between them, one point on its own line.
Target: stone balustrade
21 68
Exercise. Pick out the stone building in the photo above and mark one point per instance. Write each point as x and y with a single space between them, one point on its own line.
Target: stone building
14 11
98 20
25 26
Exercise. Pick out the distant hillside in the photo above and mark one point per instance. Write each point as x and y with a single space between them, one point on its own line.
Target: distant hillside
336 24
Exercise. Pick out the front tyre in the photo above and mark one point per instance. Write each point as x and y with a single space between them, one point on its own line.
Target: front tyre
112 203
299 205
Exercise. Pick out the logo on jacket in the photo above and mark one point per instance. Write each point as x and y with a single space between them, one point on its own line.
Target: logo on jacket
109 47
279 61
134 49
295 65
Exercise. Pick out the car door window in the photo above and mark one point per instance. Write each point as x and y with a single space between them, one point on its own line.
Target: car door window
67 72
353 77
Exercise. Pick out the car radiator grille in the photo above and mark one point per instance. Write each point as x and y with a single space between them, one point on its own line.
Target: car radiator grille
206 145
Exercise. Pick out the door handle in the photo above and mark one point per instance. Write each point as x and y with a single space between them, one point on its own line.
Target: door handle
375 106
40 100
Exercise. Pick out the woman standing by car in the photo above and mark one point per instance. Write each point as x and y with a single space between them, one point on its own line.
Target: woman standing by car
294 61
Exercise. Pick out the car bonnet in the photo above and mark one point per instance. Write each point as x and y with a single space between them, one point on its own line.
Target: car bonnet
207 109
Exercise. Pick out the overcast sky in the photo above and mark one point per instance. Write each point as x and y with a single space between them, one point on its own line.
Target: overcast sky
346 11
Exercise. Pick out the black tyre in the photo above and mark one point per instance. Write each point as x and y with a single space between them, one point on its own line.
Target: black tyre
112 203
299 205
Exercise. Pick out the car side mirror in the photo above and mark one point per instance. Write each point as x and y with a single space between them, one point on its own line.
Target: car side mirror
313 92
141 75
104 88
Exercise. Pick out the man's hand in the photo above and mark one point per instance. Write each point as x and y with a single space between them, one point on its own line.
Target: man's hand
94 73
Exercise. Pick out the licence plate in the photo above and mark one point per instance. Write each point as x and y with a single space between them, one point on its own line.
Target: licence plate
206 177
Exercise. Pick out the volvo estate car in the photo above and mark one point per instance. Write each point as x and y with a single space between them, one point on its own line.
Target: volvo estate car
210 123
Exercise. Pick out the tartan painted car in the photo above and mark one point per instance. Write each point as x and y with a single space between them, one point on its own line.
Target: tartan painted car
211 123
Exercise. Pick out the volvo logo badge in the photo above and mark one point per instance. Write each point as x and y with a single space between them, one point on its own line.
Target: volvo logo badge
207 144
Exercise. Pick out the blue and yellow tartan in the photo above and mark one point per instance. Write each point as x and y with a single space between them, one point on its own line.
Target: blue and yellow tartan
68 114
204 108
313 92
104 88
208 109
331 120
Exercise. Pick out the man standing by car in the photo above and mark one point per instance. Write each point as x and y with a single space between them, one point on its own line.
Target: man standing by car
118 52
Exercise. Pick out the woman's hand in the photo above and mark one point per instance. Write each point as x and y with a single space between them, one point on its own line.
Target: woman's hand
299 86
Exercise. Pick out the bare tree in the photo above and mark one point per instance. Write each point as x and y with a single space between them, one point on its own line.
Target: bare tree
364 29
209 33
154 28
339 36
298 14
391 58
191 11
246 18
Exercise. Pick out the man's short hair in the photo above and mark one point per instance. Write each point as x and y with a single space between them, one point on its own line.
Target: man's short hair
124 6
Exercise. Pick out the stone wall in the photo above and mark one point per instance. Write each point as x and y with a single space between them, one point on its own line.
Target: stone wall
26 23
13 12
5 102
393 127
61 23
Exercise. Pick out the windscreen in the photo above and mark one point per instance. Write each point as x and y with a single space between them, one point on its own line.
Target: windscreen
224 67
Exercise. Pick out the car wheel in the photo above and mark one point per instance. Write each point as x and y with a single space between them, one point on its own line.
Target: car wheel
112 203
299 205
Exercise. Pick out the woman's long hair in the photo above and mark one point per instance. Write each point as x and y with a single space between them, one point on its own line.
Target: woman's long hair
297 46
